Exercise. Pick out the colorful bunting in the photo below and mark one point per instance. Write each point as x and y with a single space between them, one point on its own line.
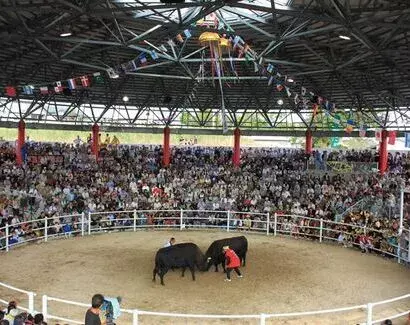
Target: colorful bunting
179 38
58 88
28 90
85 82
187 33
44 90
71 84
11 91
98 78
154 55
279 87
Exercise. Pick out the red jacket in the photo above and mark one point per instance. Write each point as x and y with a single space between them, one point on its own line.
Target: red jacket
232 259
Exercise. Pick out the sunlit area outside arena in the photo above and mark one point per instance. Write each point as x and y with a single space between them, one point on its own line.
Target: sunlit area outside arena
204 162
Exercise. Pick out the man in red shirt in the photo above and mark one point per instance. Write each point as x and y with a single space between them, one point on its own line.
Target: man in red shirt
232 262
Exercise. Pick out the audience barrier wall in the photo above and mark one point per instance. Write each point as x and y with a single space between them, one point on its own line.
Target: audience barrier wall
293 226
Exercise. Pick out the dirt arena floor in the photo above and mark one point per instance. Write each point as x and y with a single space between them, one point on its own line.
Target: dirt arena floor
282 275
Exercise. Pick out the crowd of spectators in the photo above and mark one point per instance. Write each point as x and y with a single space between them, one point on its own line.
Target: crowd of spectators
67 181
13 315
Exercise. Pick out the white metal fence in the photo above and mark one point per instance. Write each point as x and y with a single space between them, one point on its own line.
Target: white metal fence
396 246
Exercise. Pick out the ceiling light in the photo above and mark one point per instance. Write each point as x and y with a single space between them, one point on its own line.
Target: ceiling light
66 34
280 101
125 99
289 80
344 37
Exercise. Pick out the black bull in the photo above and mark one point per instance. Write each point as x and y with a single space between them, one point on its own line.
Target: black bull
215 256
186 255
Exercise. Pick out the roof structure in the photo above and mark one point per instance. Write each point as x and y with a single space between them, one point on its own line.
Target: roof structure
351 57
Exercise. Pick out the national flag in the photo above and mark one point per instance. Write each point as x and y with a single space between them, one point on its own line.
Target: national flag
11 91
179 38
288 91
303 91
392 137
85 82
279 87
350 122
28 90
44 90
112 73
71 84
187 33
58 87
269 68
143 60
407 140
98 78
154 55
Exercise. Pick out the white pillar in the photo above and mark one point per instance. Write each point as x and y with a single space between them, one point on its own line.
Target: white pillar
267 224
44 307
228 220
45 229
401 208
181 219
262 319
275 224
135 220
369 314
82 224
7 237
135 317
31 302
89 223
321 230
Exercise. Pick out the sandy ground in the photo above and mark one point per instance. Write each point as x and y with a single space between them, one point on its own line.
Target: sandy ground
282 275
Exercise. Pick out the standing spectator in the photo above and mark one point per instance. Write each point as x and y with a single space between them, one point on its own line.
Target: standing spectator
232 263
92 316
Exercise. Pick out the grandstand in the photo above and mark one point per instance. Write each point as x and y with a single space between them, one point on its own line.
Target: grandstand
320 70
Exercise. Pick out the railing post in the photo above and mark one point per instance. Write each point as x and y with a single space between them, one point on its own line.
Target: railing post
89 223
275 223
262 319
369 314
408 249
181 219
82 224
135 220
135 317
7 237
228 220
321 230
44 308
45 229
267 224
31 302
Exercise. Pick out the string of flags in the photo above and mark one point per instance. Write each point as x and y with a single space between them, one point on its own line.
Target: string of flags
61 86
229 45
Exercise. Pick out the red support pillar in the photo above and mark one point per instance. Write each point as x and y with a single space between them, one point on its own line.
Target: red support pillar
309 142
236 158
383 153
21 137
166 150
95 139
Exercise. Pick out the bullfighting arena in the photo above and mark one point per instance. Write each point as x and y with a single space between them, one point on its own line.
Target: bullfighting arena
282 275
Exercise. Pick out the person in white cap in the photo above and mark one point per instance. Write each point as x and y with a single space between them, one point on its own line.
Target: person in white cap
232 263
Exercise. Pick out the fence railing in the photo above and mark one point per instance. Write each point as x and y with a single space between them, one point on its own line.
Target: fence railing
133 220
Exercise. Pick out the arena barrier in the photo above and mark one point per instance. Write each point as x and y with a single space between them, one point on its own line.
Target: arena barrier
263 223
